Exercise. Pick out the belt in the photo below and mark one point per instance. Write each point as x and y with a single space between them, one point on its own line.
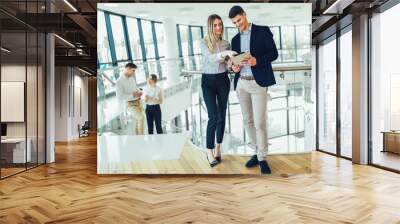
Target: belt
247 77
221 73
134 100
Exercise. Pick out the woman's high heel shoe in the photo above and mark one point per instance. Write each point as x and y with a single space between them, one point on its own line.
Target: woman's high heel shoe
212 163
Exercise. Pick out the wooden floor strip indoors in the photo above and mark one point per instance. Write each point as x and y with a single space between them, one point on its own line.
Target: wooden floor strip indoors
70 191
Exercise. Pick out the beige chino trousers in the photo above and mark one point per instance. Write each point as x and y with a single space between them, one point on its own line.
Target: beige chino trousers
253 102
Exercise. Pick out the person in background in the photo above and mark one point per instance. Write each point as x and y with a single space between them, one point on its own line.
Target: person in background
215 85
252 78
127 90
153 97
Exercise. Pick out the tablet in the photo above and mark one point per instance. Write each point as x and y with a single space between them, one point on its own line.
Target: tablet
237 59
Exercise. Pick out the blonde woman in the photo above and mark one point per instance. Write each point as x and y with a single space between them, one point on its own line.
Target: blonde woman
215 85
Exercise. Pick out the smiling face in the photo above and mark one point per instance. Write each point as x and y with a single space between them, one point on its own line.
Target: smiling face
218 27
240 21
130 72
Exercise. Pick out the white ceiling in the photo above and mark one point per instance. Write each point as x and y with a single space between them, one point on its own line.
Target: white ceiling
272 14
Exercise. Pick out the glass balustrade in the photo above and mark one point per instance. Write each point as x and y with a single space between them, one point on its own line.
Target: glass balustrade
291 109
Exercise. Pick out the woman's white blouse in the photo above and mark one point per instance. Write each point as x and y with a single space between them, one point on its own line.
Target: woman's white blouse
212 64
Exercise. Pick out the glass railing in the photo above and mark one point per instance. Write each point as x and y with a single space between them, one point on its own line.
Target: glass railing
290 114
290 109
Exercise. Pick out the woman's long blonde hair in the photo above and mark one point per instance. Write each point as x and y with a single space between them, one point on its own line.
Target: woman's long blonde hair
211 38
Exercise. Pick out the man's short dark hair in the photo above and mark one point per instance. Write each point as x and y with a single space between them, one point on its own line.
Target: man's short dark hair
130 65
235 10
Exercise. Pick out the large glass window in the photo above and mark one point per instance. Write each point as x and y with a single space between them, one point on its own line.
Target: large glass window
22 97
277 38
231 32
148 39
140 74
196 37
14 76
184 39
160 34
385 85
346 94
288 44
276 35
293 42
119 37
134 38
303 43
327 96
103 47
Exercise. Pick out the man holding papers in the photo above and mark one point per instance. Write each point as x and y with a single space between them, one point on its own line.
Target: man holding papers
253 75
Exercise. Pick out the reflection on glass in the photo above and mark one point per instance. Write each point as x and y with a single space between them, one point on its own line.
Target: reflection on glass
327 96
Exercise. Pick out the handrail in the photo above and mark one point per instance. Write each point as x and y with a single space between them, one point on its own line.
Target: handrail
189 73
291 68
275 69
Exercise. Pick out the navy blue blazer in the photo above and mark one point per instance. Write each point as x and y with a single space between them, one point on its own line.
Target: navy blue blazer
263 48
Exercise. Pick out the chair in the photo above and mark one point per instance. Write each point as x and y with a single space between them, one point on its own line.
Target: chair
84 130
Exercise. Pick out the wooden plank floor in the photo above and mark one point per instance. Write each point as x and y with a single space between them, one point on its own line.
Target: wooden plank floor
70 191
193 161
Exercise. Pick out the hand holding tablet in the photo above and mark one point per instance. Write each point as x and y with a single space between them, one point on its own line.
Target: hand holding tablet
239 58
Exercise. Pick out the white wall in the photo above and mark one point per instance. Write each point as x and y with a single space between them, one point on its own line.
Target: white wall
34 124
12 73
70 84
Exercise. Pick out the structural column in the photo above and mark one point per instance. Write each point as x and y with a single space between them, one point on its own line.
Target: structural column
360 90
50 98
171 52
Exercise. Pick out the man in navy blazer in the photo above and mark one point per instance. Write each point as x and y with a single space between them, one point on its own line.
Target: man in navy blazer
252 78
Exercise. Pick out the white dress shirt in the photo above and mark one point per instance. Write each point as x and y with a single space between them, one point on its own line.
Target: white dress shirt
155 92
125 87
245 47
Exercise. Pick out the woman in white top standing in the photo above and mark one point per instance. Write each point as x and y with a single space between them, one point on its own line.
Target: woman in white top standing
153 97
215 85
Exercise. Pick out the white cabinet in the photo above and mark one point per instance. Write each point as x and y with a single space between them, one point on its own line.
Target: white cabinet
17 146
